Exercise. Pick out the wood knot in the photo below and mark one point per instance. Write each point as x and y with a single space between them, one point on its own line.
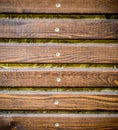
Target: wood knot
116 82
13 126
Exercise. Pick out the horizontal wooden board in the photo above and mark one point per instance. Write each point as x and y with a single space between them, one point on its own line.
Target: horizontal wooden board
58 101
68 77
59 121
58 53
58 28
64 6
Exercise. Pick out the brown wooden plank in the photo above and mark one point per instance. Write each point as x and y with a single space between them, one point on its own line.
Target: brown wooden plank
58 28
68 77
52 6
58 100
58 53
59 121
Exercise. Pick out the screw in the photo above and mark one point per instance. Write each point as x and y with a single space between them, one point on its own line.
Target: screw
56 102
58 5
56 124
57 29
58 54
58 79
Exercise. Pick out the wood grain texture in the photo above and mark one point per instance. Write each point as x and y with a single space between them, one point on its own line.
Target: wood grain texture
65 101
65 121
69 53
68 77
67 6
68 28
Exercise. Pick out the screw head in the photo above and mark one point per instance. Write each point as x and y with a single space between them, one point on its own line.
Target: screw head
58 5
56 102
57 29
56 124
58 54
58 79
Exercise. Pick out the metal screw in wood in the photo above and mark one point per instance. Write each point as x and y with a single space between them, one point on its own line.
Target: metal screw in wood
56 124
58 5
58 54
58 79
56 102
57 29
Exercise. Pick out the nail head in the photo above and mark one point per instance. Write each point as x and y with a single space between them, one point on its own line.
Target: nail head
58 79
58 54
58 5
57 29
56 102
56 124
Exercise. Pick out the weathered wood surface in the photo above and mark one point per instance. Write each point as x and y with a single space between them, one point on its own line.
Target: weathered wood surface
59 121
66 6
58 28
68 77
58 53
58 100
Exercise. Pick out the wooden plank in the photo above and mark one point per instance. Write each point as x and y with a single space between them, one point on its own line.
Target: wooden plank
58 28
65 6
68 77
59 121
58 100
58 53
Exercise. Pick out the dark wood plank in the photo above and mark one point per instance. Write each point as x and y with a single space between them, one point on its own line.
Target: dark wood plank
58 28
51 6
59 121
68 77
58 101
58 53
